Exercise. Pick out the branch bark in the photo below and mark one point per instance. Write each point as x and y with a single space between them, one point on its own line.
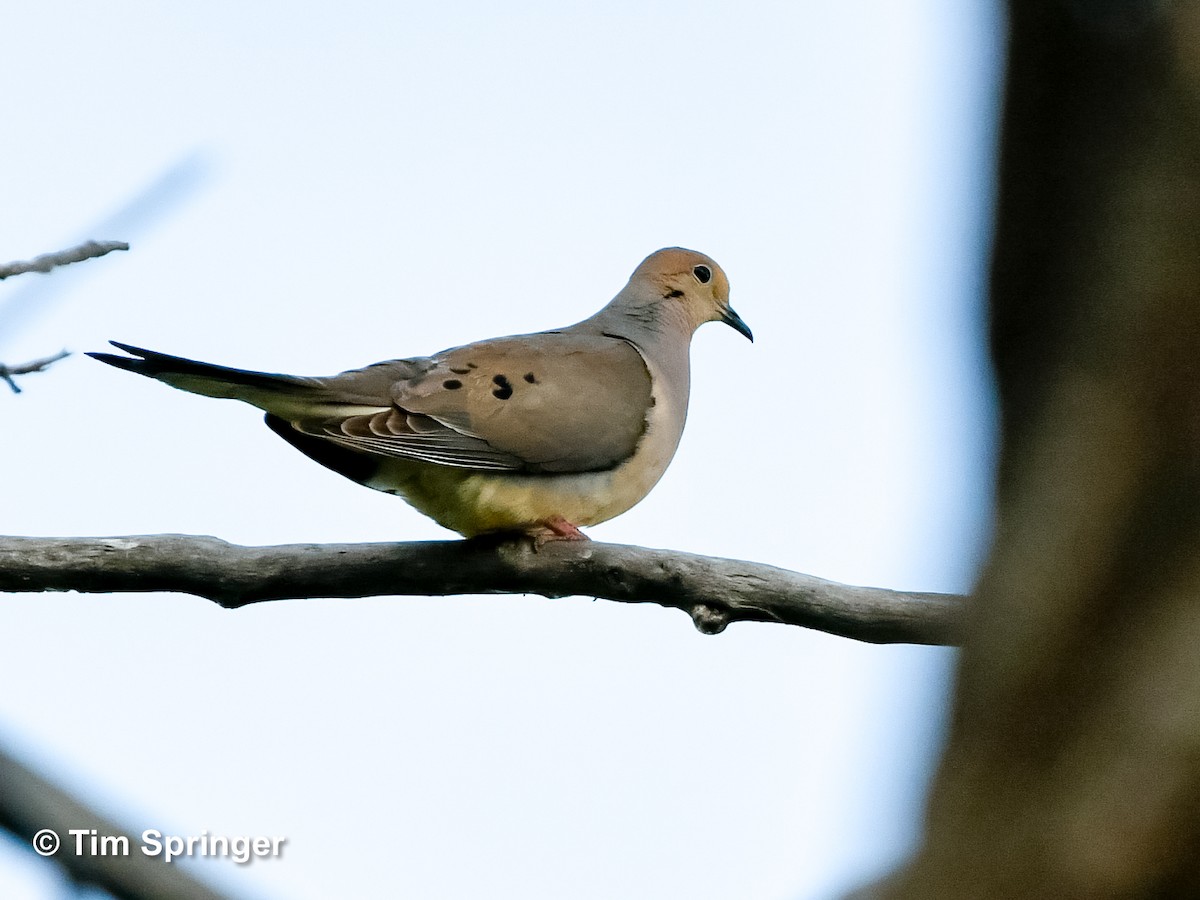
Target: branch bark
714 592
48 261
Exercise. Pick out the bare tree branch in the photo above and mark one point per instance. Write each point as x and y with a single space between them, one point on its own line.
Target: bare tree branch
714 592
37 365
48 261
29 804
44 263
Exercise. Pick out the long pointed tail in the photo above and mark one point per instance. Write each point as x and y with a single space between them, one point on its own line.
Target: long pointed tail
284 395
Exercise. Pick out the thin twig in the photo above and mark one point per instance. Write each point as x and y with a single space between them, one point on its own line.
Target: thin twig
37 365
48 261
713 591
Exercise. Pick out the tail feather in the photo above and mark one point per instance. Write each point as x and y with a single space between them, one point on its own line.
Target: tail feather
165 367
289 396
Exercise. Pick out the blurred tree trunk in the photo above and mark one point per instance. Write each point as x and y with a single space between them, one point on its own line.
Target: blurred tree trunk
1073 763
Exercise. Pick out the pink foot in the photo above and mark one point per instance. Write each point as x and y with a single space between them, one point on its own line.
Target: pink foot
556 529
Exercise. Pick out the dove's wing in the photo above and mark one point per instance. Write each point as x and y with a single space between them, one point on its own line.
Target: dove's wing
552 402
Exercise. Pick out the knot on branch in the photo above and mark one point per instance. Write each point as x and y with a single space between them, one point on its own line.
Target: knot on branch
709 619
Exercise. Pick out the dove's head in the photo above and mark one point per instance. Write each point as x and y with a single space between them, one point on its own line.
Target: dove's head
683 287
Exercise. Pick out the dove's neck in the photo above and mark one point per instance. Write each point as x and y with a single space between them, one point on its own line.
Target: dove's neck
642 317
662 338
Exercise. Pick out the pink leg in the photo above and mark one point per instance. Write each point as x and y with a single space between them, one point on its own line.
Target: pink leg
556 529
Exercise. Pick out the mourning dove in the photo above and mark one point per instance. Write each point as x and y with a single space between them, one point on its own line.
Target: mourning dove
536 433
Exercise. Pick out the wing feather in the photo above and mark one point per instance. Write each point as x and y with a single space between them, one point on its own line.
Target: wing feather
552 402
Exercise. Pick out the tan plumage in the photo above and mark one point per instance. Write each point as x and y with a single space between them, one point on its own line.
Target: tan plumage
537 433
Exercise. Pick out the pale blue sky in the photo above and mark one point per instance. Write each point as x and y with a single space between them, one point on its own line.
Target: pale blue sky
375 180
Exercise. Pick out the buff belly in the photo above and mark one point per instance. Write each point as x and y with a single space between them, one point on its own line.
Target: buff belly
474 502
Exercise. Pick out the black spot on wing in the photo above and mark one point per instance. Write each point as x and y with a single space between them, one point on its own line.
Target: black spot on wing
458 371
452 384
503 389
529 377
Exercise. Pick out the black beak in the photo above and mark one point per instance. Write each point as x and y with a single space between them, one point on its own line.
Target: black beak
734 321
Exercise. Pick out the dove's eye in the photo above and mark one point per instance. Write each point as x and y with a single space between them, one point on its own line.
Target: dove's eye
703 274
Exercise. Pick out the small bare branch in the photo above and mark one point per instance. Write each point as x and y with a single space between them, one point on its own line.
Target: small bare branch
48 261
37 365
712 591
